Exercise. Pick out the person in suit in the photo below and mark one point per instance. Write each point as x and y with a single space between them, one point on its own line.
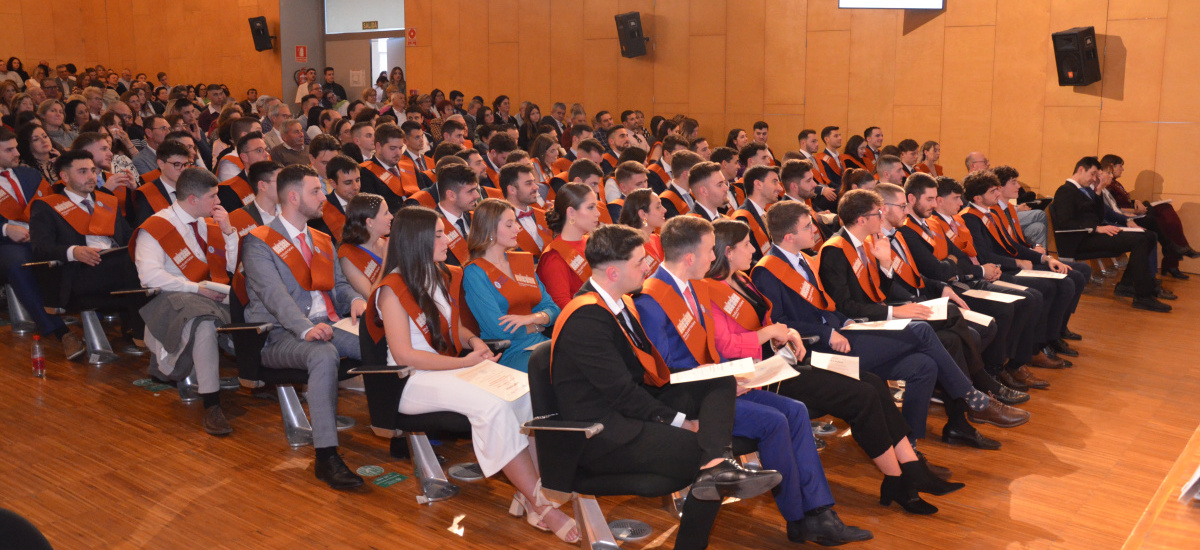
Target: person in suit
1026 225
383 175
76 225
293 282
346 179
787 278
20 186
521 190
874 138
418 287
743 326
157 129
183 250
762 190
629 177
709 190
578 134
1160 218
501 283
828 160
936 257
605 370
458 191
675 311
1080 228
678 198
265 208
236 191
148 198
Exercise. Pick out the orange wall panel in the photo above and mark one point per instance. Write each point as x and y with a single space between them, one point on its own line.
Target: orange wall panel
784 52
745 48
826 88
967 91
1127 96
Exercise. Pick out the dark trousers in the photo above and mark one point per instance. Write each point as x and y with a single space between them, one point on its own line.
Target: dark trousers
1058 296
785 444
1017 342
865 404
1170 232
1138 273
676 453
13 258
92 287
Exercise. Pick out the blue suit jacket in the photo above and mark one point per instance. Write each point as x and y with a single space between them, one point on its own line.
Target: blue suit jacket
661 329
790 308
29 179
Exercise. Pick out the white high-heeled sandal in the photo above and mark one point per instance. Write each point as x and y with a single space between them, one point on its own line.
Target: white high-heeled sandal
520 507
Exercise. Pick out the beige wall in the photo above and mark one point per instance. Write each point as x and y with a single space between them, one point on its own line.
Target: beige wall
979 75
192 41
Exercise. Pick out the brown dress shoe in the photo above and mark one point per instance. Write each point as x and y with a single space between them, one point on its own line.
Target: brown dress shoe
1025 376
1043 361
1000 415
215 423
1006 377
72 345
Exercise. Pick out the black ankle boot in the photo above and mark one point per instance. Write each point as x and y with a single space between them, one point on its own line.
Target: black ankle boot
897 489
922 479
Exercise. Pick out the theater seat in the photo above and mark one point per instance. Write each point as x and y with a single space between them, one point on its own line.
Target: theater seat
248 341
384 386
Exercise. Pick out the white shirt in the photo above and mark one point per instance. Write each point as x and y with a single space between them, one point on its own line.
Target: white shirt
226 169
712 214
886 270
93 241
616 306
454 221
318 309
757 209
836 158
267 217
8 188
529 223
155 270
687 195
416 338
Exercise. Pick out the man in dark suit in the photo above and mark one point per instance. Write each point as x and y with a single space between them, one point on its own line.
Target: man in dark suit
20 185
346 178
265 208
76 226
762 190
173 159
1079 226
609 373
236 191
389 151
786 277
677 198
709 189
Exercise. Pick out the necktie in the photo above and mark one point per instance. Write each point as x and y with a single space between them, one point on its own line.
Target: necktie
420 161
199 239
863 256
896 246
525 214
87 203
16 189
805 270
627 325
691 302
306 252
394 171
462 226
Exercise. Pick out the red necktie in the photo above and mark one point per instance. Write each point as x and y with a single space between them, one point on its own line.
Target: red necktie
691 302
17 194
394 171
525 214
199 239
307 253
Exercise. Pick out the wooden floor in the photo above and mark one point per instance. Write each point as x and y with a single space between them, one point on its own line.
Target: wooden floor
97 462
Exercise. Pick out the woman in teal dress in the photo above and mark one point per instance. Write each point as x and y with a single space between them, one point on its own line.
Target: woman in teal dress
501 285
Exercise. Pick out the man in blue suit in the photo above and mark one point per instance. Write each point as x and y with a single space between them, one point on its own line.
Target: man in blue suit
787 277
20 185
674 313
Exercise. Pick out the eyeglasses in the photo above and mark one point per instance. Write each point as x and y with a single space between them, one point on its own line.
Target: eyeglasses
258 151
181 165
873 214
896 205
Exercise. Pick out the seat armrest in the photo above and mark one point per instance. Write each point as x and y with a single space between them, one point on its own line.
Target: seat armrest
588 429
497 345
381 369
49 263
259 328
133 291
810 340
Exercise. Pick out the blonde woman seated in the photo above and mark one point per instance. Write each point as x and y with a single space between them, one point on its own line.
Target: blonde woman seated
419 305
364 241
506 297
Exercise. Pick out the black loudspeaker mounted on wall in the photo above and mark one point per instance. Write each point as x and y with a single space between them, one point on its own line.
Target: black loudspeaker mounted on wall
263 40
629 31
1075 56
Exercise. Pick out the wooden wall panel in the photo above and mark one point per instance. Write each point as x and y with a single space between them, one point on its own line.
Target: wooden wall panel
419 69
1137 144
1178 98
1067 14
503 73
967 91
707 17
921 44
871 84
1175 162
826 91
745 48
824 15
1018 93
503 19
566 51
784 54
446 40
1127 72
533 53
474 55
1139 9
706 74
598 19
600 75
1069 134
970 13
920 122
671 51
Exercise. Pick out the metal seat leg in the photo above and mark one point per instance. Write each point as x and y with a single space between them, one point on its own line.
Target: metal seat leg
434 484
18 316
99 351
593 529
189 389
295 422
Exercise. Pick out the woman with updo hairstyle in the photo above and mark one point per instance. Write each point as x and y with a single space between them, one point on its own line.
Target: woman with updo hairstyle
362 249
417 308
543 152
643 211
856 178
501 284
563 268
852 155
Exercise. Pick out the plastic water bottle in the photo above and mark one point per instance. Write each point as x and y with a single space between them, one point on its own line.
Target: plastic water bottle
39 357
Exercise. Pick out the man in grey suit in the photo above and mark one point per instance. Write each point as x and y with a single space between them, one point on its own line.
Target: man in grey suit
157 129
275 258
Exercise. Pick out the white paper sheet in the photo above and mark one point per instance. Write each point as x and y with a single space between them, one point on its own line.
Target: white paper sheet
347 324
707 372
841 364
894 324
938 305
1133 229
770 371
1010 285
976 317
1034 273
499 380
1164 201
993 296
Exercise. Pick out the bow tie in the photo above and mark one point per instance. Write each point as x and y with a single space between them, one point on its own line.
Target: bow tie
525 214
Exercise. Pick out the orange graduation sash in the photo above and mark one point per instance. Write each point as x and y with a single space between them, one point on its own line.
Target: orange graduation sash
102 222
448 328
735 305
813 294
521 290
695 336
612 161
904 265
993 227
458 244
210 268
866 274
935 238
760 233
829 160
525 240
13 210
573 258
656 372
318 277
1012 227
242 221
405 185
851 162
424 198
869 160
654 253
154 196
957 232
334 219
150 176
680 205
239 186
360 259
922 167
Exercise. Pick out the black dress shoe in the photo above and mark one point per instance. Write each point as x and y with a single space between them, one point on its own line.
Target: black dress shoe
820 443
1164 294
899 490
730 479
960 436
1006 378
922 479
1191 253
1009 396
942 473
1151 304
825 529
335 472
1068 335
1061 348
1123 290
1176 273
